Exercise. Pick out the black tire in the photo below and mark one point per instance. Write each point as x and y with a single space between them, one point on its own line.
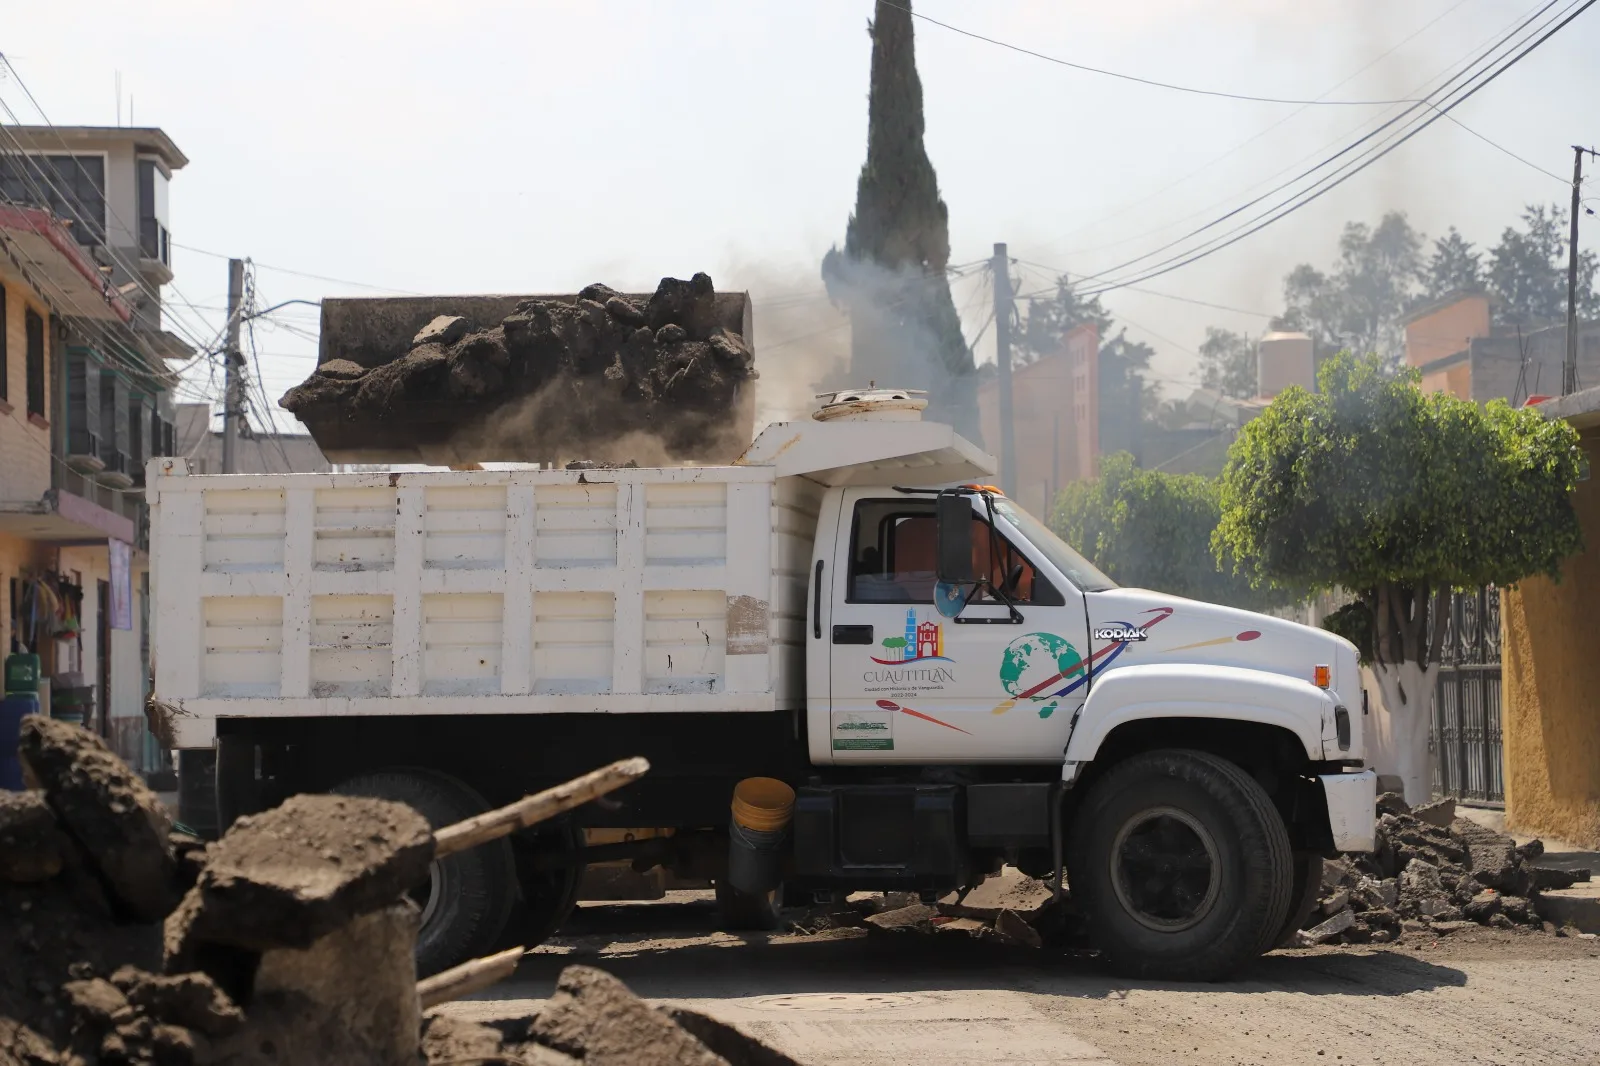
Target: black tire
1303 896
1182 866
469 896
743 912
549 896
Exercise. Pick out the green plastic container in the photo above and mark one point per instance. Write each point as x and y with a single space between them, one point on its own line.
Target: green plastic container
22 673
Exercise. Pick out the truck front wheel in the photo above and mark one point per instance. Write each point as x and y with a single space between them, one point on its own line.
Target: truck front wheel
467 898
1182 865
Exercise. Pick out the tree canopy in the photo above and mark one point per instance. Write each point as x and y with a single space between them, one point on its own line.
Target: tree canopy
1372 486
891 277
1150 529
1528 271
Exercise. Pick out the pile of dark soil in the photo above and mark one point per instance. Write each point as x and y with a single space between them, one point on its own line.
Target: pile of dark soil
1431 872
552 373
288 942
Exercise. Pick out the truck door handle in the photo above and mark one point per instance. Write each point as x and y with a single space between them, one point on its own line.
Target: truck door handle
852 634
816 605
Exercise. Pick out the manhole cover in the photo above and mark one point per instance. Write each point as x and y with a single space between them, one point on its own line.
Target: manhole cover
820 1001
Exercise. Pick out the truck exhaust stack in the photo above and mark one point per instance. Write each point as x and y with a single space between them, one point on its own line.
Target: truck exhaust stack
660 378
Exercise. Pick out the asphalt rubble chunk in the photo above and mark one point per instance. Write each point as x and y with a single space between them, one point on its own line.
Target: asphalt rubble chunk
288 942
1431 873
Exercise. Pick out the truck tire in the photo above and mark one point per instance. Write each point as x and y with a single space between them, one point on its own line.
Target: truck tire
548 896
1303 896
743 912
1182 866
468 896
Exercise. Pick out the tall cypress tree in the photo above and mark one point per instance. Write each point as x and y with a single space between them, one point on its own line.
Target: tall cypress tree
891 277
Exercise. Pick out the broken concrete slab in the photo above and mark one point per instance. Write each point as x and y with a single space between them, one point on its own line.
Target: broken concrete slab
1336 902
1009 925
109 810
290 876
1545 877
972 927
596 1018
1439 813
445 329
1327 930
1010 889
32 846
916 918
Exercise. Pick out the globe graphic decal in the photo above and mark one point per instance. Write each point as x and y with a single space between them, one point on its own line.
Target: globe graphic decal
1034 660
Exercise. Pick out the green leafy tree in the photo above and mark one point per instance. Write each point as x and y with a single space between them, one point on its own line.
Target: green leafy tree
1371 486
1455 266
1228 363
1528 271
1049 319
890 276
1150 529
1360 302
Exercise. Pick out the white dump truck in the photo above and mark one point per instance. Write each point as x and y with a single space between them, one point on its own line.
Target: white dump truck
923 680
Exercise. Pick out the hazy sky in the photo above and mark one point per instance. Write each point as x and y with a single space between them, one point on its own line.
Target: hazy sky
538 146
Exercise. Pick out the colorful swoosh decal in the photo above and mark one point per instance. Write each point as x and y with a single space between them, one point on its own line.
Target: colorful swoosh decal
1109 652
890 705
1247 635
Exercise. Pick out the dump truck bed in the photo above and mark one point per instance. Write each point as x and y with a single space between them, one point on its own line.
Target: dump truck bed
482 592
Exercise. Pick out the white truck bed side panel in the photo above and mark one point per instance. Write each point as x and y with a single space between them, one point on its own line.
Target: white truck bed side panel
492 592
796 502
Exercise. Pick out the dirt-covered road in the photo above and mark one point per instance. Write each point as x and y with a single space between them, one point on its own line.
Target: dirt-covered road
847 997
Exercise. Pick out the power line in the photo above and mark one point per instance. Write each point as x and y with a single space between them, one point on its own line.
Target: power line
1135 78
1133 288
302 273
1328 182
1503 148
1130 205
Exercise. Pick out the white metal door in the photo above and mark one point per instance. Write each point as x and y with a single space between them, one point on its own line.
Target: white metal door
910 684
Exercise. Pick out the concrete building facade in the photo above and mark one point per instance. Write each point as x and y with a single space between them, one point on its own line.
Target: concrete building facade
85 399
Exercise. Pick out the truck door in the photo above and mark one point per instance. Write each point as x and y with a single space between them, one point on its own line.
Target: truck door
913 684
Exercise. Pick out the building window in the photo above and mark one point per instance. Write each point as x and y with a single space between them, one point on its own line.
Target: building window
35 332
5 367
154 240
72 187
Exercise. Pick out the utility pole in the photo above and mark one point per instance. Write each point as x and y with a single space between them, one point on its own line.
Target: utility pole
234 360
1569 370
1002 358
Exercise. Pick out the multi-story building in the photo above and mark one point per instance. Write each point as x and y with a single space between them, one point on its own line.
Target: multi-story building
85 399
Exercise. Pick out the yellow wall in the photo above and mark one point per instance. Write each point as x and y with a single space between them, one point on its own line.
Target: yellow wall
1550 714
24 445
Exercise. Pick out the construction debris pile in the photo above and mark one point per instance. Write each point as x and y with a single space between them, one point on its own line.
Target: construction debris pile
1431 872
602 368
1008 907
288 941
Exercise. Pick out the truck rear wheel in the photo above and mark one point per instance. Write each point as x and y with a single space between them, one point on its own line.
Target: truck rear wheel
1182 865
549 894
468 897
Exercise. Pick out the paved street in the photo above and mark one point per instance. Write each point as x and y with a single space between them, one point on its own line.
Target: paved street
844 997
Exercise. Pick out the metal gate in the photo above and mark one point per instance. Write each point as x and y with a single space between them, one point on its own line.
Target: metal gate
1465 736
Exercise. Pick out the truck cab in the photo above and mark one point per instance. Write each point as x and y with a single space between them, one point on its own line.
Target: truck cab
935 683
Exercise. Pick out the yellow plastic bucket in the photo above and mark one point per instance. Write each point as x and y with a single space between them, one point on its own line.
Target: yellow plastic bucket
762 807
763 804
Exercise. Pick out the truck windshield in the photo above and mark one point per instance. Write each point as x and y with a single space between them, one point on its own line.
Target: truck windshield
1080 571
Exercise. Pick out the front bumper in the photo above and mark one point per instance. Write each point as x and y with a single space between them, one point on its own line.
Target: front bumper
1352 809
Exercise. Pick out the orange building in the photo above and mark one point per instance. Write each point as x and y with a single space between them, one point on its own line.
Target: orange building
1054 417
1439 335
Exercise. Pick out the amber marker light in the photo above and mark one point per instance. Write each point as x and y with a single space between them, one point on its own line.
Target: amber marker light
1323 675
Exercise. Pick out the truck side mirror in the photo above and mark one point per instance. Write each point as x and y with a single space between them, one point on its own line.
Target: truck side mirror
955 540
